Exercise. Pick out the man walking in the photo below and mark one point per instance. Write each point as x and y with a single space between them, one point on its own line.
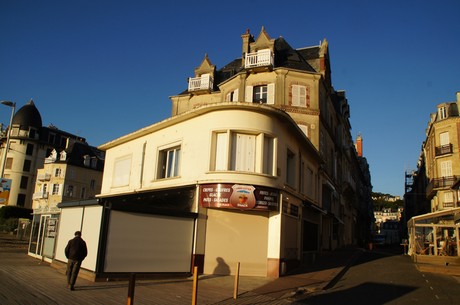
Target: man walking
75 251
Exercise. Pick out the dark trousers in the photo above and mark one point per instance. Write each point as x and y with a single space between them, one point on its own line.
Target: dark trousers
73 267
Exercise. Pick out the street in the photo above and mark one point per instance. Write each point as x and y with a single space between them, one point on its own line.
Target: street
383 277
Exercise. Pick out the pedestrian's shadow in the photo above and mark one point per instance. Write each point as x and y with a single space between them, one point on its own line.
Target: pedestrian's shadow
222 268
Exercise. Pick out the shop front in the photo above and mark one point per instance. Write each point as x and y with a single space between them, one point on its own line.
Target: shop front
240 229
435 235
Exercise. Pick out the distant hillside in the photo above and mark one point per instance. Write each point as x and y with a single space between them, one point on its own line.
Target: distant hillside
381 201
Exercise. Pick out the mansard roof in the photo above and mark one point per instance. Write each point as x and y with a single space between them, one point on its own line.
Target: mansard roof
76 152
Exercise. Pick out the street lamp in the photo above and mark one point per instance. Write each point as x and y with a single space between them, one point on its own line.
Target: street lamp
13 106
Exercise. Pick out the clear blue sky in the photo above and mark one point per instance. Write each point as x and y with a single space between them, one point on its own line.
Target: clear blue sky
102 69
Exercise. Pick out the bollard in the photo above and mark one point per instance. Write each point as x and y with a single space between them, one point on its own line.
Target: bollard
237 277
131 285
195 286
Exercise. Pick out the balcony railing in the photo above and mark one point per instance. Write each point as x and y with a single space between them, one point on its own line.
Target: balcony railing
443 149
40 195
204 82
44 177
260 58
440 183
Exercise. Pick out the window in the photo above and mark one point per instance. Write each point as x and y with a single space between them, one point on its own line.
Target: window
448 197
290 168
261 94
232 96
299 96
243 152
93 162
236 151
268 156
444 138
56 188
57 172
21 202
51 138
92 184
168 163
26 167
24 182
121 171
83 193
221 151
69 191
30 149
63 156
442 111
446 169
304 128
44 188
9 163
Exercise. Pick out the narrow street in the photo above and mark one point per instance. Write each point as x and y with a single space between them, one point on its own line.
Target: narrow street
387 277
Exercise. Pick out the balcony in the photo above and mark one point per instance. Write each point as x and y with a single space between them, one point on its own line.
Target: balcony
443 150
439 183
40 195
261 58
204 82
44 177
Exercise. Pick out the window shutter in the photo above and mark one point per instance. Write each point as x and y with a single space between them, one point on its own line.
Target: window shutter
271 94
444 138
249 94
235 96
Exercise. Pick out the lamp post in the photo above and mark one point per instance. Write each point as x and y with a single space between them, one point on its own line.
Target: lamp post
13 107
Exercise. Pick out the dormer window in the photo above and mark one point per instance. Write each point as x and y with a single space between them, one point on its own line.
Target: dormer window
442 112
86 160
93 162
203 82
63 156
260 58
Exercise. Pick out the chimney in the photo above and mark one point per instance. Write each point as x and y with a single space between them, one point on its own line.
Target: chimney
359 145
247 39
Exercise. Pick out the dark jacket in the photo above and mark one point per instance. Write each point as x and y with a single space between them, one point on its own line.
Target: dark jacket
76 249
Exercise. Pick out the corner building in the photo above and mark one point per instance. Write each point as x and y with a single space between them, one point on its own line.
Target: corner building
251 168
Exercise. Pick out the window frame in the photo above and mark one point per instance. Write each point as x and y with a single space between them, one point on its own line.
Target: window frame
169 162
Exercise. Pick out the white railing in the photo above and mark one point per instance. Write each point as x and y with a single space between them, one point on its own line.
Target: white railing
204 82
44 177
260 58
40 195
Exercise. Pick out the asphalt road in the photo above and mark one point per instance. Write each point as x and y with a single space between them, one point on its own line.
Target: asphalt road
380 277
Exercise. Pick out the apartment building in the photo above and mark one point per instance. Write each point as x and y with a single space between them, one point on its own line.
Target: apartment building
73 174
29 144
442 159
432 191
256 165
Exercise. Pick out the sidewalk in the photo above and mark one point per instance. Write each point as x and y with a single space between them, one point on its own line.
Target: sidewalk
25 280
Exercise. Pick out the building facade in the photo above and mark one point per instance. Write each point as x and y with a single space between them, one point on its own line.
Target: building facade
432 191
442 158
71 174
256 165
30 143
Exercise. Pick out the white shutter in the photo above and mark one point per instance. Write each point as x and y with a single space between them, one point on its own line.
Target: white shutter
271 94
249 94
243 152
444 138
299 96
221 151
235 95
446 169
